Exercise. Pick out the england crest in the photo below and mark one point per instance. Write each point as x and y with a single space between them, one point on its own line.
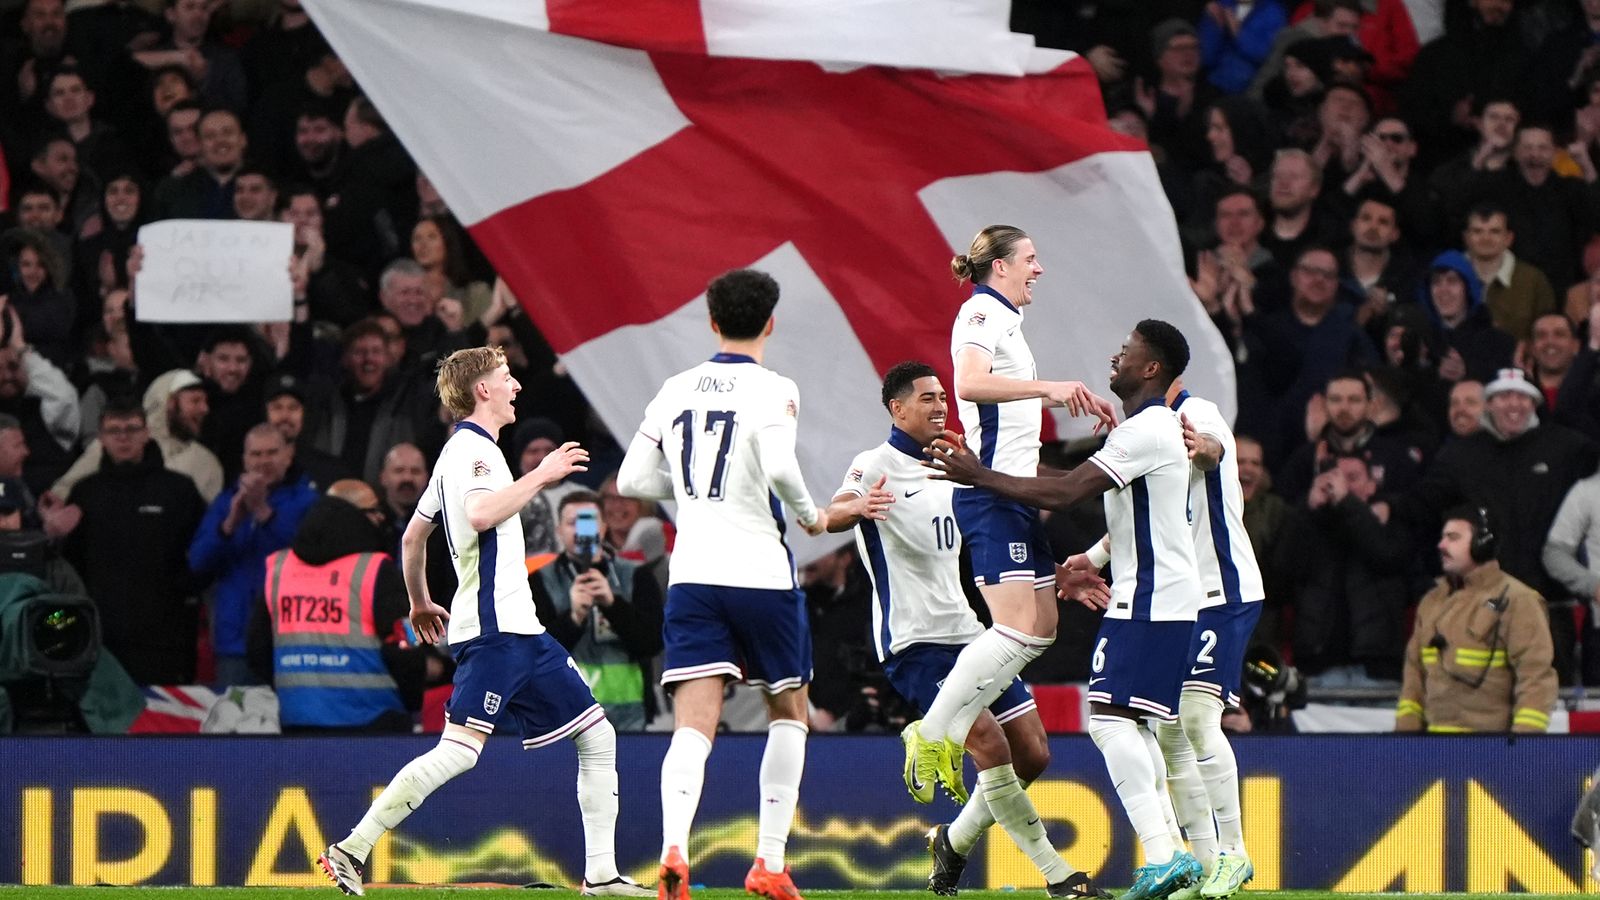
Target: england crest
491 702
1019 551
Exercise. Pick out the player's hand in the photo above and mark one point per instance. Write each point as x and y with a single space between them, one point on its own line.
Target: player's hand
820 526
427 620
875 505
950 460
1080 401
1191 438
1086 587
561 462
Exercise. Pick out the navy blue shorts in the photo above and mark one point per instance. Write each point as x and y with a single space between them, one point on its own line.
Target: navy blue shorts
1006 540
759 636
1140 665
524 682
919 670
1216 651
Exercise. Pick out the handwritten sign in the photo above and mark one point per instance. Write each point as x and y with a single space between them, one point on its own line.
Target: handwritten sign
200 270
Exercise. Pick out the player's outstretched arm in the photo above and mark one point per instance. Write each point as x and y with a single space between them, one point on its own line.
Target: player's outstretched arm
487 509
775 445
848 508
950 460
427 617
976 383
1205 451
643 474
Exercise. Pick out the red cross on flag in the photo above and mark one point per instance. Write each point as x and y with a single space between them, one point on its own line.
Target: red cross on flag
612 158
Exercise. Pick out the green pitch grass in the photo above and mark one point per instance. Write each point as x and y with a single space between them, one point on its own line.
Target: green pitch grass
10 892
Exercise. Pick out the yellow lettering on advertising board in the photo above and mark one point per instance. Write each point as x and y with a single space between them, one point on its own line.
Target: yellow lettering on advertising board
1057 801
1411 851
1261 805
203 836
291 812
380 861
1501 855
89 806
38 815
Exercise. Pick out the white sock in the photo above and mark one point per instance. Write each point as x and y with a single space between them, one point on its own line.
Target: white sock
597 799
1128 762
411 785
1189 795
1202 722
782 764
683 773
980 675
1008 801
973 820
1168 814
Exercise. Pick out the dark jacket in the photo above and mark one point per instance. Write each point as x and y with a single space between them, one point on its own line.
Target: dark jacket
333 528
131 549
1396 465
391 416
1350 588
1520 481
1483 347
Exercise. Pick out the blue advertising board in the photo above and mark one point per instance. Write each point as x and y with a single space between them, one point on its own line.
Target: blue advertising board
1349 813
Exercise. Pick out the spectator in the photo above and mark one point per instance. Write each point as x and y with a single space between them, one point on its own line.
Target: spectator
530 444
368 205
1515 291
1533 465
1265 518
1572 557
251 519
321 84
43 27
206 192
1390 463
232 379
57 573
132 546
255 195
1564 371
1469 344
171 89
38 395
295 619
1175 98
45 308
274 51
847 686
175 409
1236 38
1477 58
1350 587
1466 408
1376 267
1565 64
1386 32
1403 421
69 103
1238 135
319 154
1328 18
1297 221
1553 215
215 66
55 164
336 290
38 208
1387 174
1494 121
1305 344
632 528
1479 658
370 410
604 609
182 132
404 478
1342 120
436 246
1294 97
100 261
285 399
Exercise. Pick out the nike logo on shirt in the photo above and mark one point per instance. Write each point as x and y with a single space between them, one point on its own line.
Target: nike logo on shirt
910 494
1194 671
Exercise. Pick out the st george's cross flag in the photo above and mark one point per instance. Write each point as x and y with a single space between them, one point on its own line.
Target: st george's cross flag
611 158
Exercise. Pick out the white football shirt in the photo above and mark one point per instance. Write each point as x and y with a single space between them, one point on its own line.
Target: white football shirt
1004 435
1226 559
913 557
492 592
1154 577
727 430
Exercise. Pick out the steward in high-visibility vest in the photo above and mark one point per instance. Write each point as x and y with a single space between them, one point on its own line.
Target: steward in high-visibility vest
331 599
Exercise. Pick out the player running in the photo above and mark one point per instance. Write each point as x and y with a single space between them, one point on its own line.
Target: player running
1000 401
1140 653
921 620
510 674
725 431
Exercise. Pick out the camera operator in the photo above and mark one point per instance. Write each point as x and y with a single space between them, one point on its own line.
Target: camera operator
606 611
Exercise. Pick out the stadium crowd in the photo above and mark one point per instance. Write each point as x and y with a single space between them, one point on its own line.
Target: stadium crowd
1389 208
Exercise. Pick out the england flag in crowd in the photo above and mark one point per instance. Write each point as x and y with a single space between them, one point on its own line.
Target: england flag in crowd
612 158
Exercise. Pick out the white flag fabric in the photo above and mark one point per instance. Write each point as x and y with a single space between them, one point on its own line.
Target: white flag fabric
613 158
